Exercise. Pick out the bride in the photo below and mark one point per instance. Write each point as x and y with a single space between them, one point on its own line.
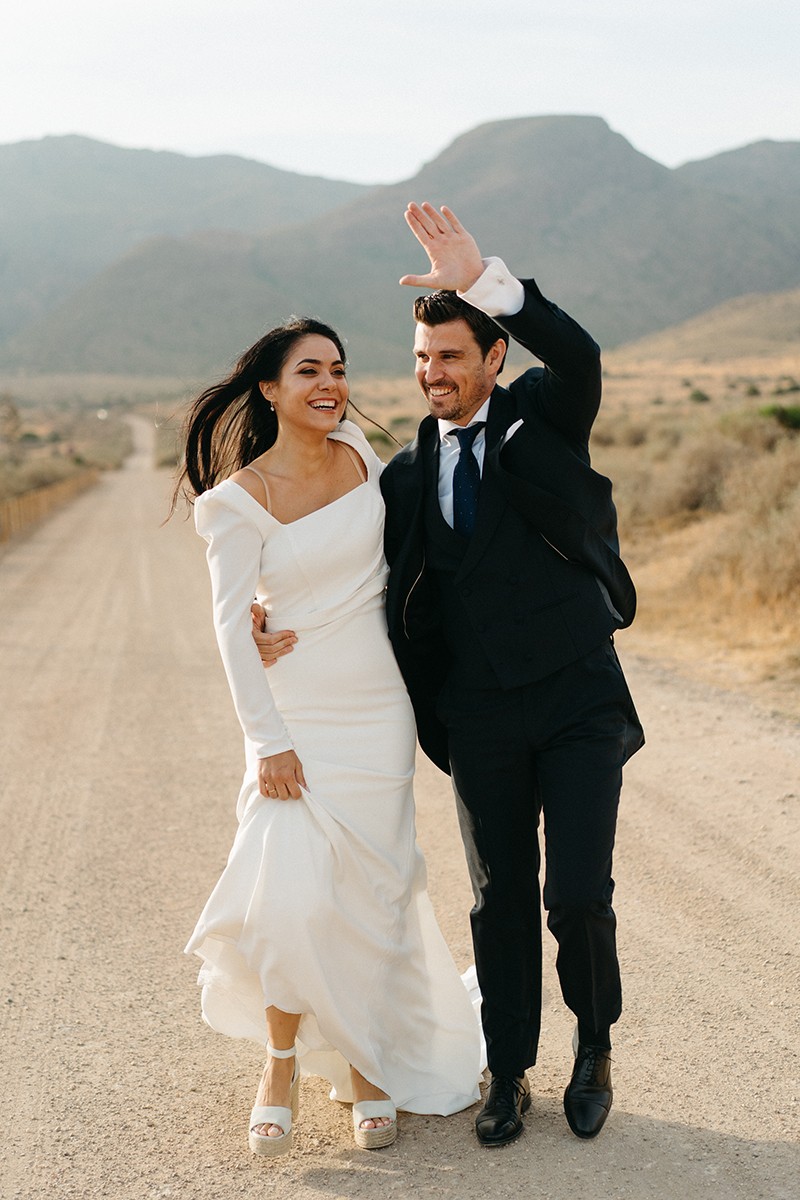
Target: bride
320 932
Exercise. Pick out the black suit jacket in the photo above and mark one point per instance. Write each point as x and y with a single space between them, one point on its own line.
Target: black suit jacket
542 473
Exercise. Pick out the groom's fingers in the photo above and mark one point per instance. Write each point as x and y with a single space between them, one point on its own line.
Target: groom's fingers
421 229
272 646
427 219
427 281
439 222
419 220
453 219
423 223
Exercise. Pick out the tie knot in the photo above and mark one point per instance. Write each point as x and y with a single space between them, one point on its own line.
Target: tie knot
467 436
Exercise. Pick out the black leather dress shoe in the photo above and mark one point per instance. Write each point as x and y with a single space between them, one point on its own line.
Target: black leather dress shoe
588 1097
500 1119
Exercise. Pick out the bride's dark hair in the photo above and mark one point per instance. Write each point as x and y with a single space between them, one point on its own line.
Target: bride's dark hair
231 423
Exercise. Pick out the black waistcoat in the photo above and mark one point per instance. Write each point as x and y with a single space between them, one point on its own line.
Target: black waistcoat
445 550
521 611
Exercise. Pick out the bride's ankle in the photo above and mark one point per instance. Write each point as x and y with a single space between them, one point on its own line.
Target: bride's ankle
363 1089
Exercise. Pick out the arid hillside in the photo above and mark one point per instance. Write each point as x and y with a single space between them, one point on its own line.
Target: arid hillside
758 326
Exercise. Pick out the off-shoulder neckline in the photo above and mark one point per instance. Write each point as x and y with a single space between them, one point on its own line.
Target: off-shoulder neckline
297 520
338 434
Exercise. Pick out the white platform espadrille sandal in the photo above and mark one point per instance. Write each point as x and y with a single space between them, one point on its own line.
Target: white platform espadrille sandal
272 1114
383 1135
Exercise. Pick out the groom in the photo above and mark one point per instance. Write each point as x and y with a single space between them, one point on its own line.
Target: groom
505 589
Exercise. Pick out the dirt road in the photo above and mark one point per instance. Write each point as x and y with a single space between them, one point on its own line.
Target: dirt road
120 762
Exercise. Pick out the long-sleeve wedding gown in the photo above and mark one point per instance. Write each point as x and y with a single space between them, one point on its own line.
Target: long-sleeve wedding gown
322 908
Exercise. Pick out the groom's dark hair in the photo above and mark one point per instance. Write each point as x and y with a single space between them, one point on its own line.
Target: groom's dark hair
437 308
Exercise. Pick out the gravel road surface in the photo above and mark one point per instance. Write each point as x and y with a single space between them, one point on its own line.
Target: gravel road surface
121 760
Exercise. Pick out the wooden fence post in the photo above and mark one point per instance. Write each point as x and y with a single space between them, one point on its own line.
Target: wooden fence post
18 513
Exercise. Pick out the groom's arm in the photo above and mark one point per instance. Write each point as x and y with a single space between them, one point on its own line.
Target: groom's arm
567 394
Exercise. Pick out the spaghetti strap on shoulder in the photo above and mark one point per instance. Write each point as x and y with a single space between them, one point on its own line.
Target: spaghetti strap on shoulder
267 503
356 460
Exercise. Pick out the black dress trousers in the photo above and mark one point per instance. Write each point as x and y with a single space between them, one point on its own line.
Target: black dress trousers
556 748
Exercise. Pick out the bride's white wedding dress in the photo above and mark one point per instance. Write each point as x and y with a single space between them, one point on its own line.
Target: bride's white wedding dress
322 908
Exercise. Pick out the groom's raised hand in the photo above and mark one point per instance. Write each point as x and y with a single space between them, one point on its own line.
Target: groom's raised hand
455 259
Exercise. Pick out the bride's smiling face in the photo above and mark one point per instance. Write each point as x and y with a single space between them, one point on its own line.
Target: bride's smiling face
311 391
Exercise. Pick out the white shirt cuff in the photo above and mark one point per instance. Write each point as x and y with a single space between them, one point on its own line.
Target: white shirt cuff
496 292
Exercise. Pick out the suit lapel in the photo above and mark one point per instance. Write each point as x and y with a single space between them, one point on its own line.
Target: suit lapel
412 468
429 443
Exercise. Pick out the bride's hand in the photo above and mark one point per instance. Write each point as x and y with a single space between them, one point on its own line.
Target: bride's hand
280 776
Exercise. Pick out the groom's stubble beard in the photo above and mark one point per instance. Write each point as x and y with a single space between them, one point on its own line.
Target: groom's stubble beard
460 404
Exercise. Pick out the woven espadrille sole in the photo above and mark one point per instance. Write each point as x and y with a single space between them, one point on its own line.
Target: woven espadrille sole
370 1110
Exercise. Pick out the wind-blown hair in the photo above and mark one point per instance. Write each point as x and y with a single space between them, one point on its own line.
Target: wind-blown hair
231 423
437 308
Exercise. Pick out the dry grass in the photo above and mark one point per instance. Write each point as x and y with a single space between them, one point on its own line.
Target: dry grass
53 444
709 504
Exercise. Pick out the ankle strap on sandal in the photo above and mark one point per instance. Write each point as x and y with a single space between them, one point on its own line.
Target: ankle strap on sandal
290 1053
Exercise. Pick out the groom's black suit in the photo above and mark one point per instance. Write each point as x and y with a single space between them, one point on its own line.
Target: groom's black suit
504 643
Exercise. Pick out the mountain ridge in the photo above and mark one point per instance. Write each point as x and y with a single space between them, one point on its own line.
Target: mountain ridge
73 205
625 244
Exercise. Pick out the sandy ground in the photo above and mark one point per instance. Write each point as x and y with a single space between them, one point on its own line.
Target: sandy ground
120 764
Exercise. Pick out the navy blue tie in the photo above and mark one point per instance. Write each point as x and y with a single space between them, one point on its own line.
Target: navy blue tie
466 481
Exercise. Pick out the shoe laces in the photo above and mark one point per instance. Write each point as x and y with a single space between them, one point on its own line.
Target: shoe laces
589 1059
501 1082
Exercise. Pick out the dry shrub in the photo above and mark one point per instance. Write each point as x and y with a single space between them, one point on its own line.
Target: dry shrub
62 444
752 429
762 558
760 553
664 440
618 429
18 478
633 433
766 485
629 485
99 443
690 480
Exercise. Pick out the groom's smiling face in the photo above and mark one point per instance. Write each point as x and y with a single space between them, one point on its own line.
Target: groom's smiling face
452 371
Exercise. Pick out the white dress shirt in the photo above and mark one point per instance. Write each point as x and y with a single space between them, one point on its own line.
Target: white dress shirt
496 292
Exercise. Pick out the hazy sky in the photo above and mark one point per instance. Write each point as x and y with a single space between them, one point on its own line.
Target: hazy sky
369 91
